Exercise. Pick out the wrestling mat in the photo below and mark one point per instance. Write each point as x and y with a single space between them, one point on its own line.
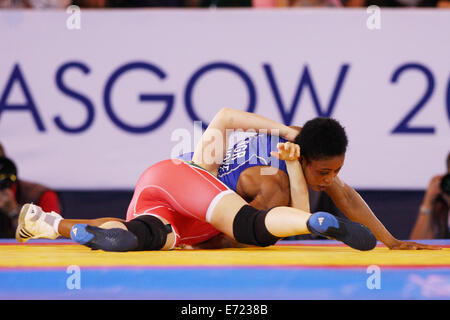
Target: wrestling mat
290 270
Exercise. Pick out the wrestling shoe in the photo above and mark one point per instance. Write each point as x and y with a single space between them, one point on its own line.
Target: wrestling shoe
351 233
115 239
35 223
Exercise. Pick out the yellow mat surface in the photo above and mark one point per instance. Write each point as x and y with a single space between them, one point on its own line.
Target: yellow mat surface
63 255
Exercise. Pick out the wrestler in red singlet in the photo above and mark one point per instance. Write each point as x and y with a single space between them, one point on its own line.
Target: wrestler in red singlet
176 191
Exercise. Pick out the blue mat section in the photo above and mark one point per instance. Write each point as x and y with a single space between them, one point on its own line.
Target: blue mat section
225 283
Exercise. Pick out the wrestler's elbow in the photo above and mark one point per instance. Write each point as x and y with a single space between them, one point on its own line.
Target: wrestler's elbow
225 118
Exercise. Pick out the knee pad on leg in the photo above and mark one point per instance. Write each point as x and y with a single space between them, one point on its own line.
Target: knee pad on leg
150 232
249 227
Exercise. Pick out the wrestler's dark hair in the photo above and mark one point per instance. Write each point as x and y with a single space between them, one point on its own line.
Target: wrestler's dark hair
322 138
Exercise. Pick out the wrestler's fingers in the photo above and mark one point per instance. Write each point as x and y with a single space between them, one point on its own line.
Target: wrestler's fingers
281 146
275 154
427 247
294 151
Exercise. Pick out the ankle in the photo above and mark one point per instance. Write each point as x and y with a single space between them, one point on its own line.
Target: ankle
55 225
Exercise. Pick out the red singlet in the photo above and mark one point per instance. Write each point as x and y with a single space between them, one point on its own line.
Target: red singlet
182 193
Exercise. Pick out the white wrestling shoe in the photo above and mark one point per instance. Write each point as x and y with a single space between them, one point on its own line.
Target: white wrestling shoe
35 223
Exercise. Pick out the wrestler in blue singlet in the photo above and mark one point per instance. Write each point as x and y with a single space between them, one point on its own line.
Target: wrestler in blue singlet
249 152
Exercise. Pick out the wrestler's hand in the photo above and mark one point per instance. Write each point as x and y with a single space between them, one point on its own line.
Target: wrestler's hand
409 245
287 151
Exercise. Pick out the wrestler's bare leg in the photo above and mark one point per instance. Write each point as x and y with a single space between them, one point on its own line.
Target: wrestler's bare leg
280 221
285 221
107 223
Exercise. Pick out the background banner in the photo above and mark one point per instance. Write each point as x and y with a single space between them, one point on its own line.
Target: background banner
90 99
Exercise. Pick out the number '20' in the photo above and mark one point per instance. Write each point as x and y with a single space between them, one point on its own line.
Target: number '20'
404 126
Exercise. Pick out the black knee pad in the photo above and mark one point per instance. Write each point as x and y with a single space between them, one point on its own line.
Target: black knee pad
150 232
249 227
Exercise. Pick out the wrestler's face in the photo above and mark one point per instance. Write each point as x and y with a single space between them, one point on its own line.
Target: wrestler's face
319 174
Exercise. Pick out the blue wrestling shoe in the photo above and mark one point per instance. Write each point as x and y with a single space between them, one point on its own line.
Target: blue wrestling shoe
351 233
114 239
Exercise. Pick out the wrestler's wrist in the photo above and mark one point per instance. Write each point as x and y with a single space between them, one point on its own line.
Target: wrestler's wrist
288 133
391 243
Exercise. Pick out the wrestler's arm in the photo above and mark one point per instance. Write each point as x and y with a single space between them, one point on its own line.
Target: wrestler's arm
356 209
210 151
290 153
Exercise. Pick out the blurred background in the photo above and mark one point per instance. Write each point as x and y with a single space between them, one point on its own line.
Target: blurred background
93 92
218 3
